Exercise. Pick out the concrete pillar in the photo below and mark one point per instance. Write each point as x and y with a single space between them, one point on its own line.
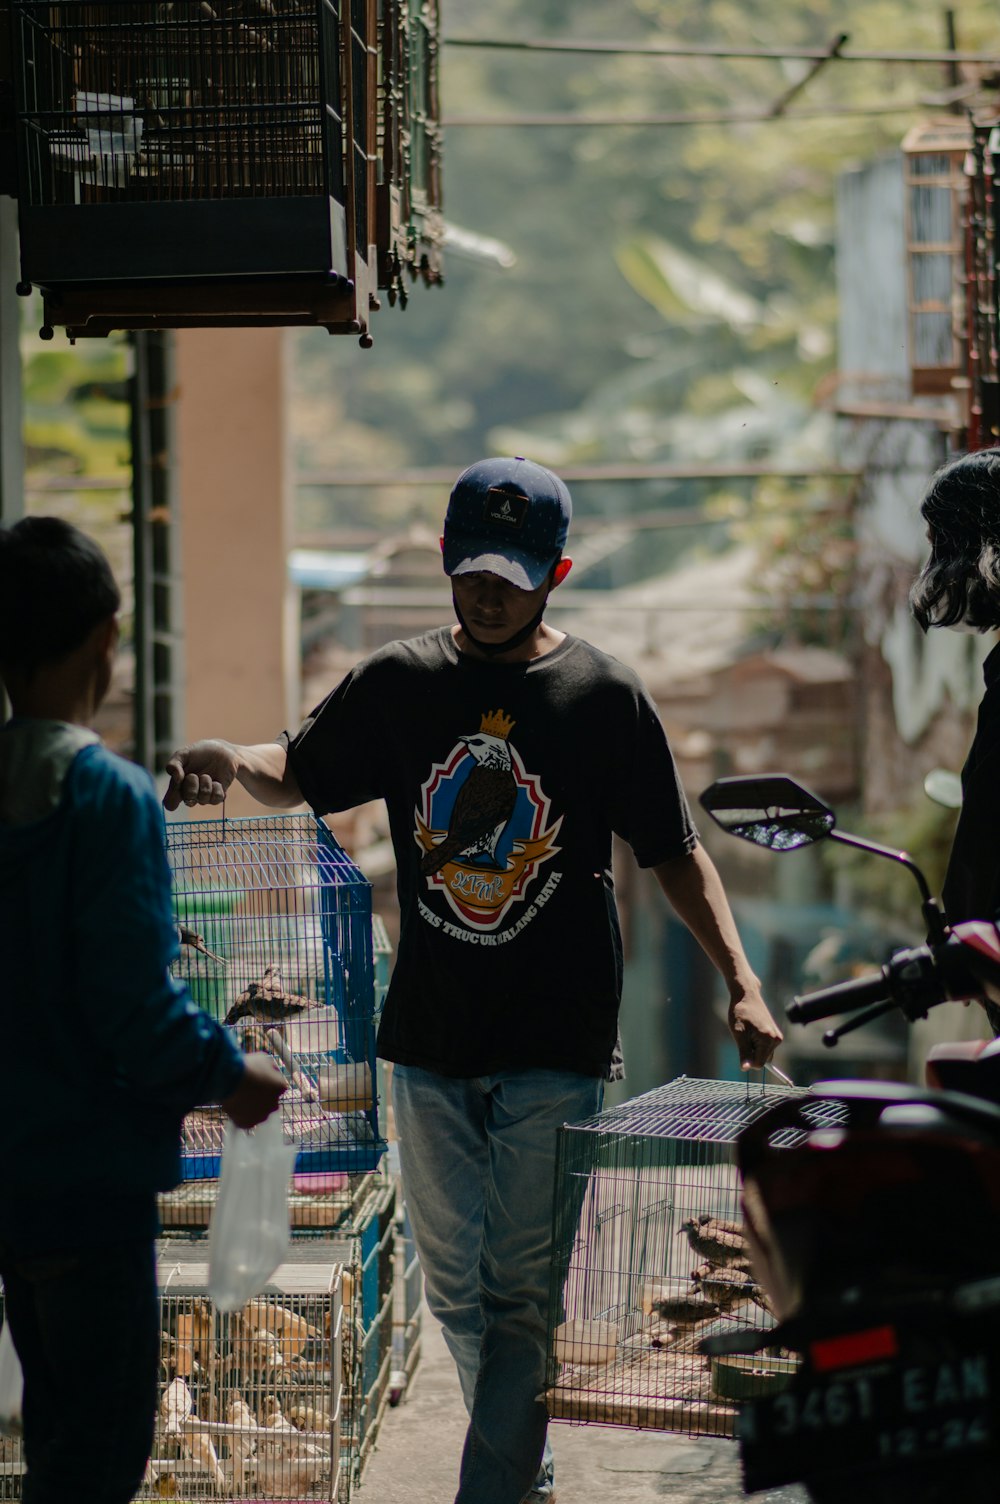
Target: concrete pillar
240 616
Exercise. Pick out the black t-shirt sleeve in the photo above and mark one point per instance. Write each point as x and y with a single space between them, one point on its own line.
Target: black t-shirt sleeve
336 752
649 807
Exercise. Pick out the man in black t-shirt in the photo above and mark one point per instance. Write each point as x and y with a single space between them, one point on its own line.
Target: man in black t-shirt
508 755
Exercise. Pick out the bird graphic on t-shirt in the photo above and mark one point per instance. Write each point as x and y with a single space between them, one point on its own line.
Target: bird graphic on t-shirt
482 808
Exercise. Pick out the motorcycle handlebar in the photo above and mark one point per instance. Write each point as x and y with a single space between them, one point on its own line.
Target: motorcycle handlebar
842 997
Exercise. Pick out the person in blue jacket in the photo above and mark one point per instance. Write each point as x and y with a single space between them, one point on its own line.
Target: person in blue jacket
103 1051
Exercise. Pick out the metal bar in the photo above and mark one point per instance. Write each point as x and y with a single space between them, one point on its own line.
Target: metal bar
143 736
438 475
703 49
720 117
781 104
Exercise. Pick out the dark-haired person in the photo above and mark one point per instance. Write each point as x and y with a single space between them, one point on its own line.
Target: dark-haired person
508 753
959 588
103 1052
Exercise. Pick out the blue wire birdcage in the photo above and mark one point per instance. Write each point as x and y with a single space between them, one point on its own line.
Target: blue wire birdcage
275 924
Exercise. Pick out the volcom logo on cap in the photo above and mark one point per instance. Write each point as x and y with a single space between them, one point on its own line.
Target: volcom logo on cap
505 506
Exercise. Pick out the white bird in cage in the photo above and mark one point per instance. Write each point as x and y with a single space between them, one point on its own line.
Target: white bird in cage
242 1447
291 1472
176 1405
176 1409
200 1448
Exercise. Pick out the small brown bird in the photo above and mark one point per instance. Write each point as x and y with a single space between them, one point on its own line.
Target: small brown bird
197 942
685 1310
309 1417
290 1474
272 1418
714 1239
268 1002
727 1286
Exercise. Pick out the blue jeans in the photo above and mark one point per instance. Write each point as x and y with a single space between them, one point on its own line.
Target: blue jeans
86 1327
478 1168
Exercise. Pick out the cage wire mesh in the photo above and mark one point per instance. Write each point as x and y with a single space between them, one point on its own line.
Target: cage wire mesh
649 1257
249 1402
363 1243
134 100
275 925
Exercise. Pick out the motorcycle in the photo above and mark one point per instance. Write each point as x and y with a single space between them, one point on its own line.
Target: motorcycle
872 1215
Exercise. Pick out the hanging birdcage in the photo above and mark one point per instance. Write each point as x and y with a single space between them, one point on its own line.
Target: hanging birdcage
275 926
195 163
649 1258
934 188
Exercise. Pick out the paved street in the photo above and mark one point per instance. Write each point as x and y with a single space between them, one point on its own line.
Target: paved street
416 1460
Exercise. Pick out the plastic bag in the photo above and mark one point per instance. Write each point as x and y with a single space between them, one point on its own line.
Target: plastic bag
11 1385
249 1234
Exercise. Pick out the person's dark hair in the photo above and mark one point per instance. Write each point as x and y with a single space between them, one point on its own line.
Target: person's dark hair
961 580
56 585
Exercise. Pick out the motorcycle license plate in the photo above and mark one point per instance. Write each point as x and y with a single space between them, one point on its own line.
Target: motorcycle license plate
869 1417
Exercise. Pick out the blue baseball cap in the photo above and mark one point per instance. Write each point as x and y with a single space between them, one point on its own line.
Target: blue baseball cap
508 517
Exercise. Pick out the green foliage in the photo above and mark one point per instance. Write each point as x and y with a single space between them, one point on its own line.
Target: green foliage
672 296
803 535
75 398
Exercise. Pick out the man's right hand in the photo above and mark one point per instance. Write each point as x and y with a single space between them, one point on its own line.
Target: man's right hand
201 774
259 1091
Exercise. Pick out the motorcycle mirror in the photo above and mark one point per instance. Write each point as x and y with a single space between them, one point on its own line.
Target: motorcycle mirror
944 787
768 809
772 810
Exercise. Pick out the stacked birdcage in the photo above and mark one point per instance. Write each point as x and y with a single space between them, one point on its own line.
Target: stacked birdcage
284 1398
650 1257
249 1403
275 926
278 941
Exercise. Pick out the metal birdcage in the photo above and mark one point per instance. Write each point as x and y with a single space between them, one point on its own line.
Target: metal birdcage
649 1257
276 942
362 1240
197 163
221 108
249 1402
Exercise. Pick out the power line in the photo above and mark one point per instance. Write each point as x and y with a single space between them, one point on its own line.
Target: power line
709 50
722 117
439 475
